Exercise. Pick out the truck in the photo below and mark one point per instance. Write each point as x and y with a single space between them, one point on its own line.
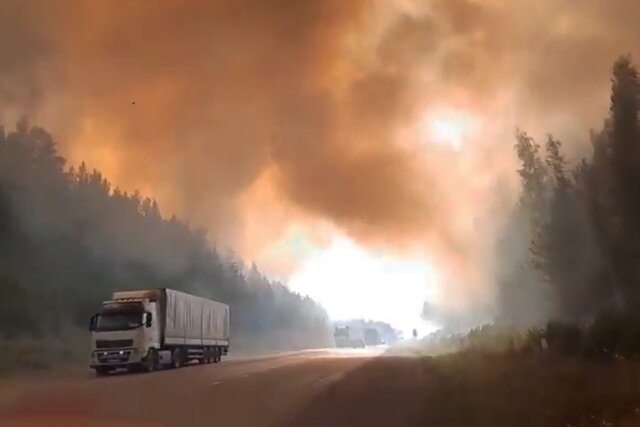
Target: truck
372 336
145 330
347 336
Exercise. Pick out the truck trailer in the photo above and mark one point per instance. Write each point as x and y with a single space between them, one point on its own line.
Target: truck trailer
149 329
346 336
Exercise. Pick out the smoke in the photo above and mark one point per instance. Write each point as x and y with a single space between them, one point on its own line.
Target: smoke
321 104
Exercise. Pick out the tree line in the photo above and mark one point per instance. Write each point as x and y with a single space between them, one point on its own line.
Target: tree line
68 239
572 243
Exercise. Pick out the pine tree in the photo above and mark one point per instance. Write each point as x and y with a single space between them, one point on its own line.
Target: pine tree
564 248
624 208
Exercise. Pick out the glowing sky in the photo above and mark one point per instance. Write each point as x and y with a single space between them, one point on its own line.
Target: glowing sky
352 282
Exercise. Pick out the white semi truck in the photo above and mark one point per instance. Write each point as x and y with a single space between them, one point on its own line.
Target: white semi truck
148 329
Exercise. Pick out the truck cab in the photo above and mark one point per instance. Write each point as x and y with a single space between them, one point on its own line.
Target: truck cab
125 333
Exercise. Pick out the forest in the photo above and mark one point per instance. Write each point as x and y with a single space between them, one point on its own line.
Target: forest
573 240
68 238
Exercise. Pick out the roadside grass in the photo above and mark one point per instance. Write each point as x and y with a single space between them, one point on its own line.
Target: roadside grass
41 354
474 388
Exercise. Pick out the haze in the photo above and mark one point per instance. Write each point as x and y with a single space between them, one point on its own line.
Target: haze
361 150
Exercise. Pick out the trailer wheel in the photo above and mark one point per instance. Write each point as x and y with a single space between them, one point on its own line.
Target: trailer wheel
216 355
205 356
210 355
176 358
150 362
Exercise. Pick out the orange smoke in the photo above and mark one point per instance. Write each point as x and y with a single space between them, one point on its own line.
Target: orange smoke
248 116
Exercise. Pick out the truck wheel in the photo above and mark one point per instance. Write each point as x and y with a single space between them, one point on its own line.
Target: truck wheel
150 362
101 371
216 355
205 356
176 359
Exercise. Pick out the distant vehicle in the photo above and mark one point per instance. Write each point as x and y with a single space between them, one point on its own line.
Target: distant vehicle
372 337
346 336
147 329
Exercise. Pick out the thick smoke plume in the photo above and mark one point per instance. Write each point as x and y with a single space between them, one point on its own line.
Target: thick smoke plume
321 104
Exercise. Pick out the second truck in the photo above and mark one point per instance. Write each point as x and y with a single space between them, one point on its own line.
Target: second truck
346 336
148 329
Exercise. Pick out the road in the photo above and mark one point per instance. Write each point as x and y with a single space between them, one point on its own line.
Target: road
310 388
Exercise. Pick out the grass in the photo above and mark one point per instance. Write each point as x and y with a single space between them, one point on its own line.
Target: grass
489 389
500 377
31 354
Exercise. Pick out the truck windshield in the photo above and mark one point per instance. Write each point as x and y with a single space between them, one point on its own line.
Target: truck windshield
118 321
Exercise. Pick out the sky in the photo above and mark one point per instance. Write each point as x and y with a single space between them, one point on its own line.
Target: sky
359 150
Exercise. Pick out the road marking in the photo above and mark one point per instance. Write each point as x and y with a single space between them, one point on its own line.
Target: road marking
217 382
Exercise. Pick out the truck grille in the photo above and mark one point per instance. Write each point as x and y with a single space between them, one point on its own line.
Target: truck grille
113 356
114 343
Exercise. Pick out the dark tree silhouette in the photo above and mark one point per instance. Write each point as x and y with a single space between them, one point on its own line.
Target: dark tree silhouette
584 223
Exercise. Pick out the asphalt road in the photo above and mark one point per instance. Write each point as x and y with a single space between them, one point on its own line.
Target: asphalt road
311 388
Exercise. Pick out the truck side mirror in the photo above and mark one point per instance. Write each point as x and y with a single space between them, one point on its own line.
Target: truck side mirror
149 320
92 322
